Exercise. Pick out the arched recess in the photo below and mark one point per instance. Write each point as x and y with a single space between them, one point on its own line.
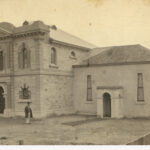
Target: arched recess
2 100
24 56
3 58
110 101
53 56
106 105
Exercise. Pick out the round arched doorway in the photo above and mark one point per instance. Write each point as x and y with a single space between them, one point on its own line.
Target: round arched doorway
106 105
2 100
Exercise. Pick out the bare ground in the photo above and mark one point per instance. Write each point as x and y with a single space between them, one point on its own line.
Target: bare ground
72 130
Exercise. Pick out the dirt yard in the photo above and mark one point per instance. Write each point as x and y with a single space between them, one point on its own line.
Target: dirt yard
72 130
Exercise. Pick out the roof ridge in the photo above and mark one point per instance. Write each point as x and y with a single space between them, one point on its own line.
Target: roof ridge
74 36
118 46
116 55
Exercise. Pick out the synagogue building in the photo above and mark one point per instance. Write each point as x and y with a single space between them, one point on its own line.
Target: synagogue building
62 74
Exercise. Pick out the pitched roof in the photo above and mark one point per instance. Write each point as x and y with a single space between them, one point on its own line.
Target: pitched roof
8 27
119 54
62 36
55 33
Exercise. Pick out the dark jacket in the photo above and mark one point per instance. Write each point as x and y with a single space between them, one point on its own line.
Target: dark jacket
28 111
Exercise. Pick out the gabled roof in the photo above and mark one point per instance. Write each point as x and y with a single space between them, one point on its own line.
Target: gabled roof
119 55
62 36
7 27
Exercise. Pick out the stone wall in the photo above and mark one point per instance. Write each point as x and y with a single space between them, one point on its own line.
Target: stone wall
56 94
32 45
64 58
32 81
6 48
50 86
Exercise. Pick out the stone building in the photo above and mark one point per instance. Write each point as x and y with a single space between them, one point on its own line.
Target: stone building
36 66
114 82
62 74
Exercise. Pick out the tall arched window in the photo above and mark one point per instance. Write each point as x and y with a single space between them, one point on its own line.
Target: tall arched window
53 56
24 57
1 60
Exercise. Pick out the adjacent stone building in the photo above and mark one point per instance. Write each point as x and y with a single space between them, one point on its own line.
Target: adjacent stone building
62 74
114 82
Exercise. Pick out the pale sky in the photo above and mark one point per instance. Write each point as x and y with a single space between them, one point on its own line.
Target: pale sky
109 22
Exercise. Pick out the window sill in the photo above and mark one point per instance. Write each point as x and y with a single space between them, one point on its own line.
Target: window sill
73 57
24 69
53 66
89 102
140 102
24 101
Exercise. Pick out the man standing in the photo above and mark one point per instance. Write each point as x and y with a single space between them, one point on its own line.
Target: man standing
28 113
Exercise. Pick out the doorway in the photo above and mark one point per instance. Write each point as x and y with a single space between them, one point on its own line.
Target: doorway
2 100
106 105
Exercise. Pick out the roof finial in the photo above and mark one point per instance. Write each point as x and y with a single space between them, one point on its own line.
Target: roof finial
25 23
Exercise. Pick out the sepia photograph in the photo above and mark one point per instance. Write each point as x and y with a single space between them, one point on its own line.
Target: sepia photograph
75 72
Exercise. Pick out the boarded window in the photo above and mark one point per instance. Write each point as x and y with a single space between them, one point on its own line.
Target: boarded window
53 56
1 60
140 88
89 88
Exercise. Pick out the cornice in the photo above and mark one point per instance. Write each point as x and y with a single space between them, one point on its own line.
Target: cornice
23 34
68 44
37 72
111 64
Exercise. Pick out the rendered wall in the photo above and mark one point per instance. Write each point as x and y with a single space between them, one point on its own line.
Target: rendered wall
125 76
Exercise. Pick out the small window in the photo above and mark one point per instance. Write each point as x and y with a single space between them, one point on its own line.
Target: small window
53 56
89 88
140 88
73 54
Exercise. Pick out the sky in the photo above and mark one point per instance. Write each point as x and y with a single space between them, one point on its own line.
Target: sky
100 22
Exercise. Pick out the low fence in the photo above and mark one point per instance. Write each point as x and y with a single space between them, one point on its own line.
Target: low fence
145 140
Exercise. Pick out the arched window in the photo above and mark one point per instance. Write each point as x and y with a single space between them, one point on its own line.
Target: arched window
73 54
24 57
53 56
1 60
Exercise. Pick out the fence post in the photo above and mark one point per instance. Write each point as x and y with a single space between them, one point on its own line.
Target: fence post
20 142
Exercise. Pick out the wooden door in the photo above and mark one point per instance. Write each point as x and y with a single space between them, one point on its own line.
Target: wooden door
106 105
2 101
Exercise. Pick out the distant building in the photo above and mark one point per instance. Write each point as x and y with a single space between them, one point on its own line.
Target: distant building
62 74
